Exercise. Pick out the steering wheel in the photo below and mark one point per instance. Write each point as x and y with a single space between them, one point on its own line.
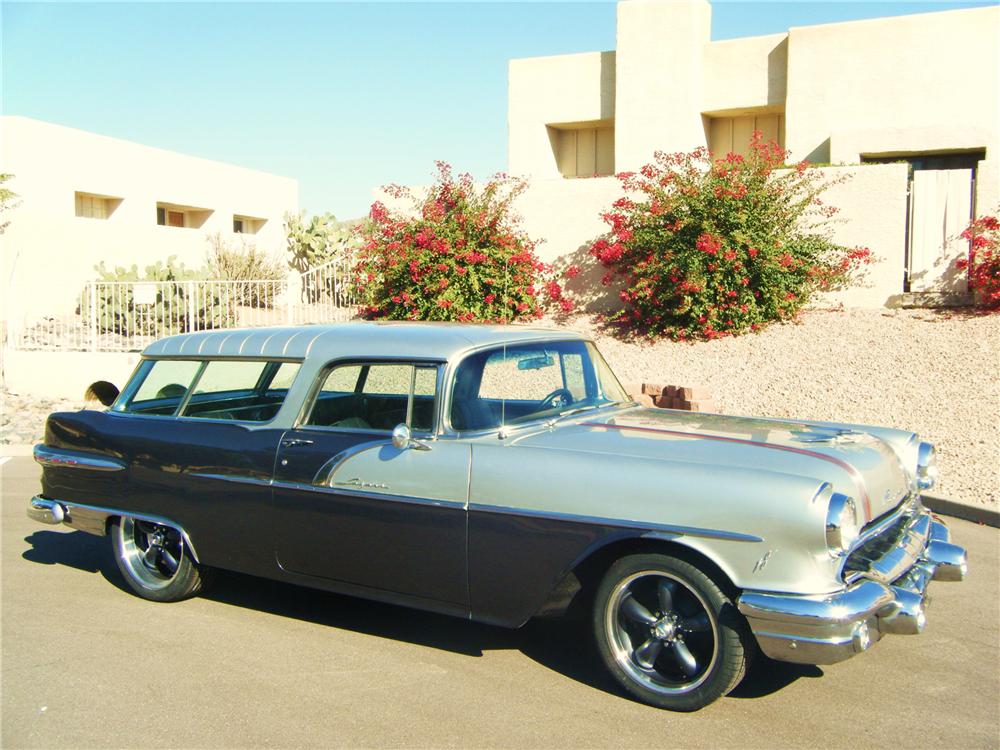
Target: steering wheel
549 401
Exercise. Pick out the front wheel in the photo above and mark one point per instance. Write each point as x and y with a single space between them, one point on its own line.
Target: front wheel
667 633
154 560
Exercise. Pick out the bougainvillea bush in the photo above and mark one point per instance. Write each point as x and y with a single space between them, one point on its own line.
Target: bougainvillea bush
983 263
705 248
457 255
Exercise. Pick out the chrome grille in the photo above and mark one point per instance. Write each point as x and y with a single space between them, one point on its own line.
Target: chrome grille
888 545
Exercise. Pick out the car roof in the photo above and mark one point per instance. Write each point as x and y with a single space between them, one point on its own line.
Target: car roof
442 341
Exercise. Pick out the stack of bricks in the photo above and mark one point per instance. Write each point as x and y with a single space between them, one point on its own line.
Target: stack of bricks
672 396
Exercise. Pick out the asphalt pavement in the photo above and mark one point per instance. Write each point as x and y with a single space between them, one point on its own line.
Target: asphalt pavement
255 663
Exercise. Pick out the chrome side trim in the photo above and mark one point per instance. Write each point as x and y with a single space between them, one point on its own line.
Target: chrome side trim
76 459
238 478
93 518
654 530
324 477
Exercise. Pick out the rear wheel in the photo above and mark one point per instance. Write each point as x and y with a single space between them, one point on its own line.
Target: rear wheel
667 633
154 560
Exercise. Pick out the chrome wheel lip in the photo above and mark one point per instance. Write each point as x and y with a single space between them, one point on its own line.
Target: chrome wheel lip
621 645
132 556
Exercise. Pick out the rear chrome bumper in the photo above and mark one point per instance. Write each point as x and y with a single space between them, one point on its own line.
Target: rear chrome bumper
890 598
92 519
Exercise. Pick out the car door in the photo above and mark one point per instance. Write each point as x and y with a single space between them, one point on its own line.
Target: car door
201 448
353 508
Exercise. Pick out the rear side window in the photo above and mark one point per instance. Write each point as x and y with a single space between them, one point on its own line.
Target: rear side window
376 397
241 390
162 385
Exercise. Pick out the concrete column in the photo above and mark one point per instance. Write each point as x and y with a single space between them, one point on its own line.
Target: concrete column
658 80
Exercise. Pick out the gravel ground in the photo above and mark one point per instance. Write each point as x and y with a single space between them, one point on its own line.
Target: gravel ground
936 373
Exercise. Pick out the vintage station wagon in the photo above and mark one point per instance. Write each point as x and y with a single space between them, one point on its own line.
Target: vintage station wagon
499 474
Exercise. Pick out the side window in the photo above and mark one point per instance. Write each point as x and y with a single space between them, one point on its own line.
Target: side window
284 376
576 383
222 389
376 397
227 378
163 385
235 389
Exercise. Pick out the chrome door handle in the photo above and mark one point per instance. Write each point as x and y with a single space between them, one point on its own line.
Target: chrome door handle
288 442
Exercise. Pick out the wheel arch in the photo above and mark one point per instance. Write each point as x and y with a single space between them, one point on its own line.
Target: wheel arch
573 591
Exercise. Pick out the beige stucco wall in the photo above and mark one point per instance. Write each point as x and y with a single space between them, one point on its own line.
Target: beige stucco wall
741 74
658 80
922 82
547 90
64 374
49 252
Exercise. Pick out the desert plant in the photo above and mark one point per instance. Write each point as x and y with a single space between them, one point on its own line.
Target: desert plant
706 248
317 240
983 263
8 201
244 263
184 301
458 254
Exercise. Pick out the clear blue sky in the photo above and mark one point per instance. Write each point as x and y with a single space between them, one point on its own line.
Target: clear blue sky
343 97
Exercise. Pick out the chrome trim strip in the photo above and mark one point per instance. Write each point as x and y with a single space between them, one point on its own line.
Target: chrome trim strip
93 518
76 459
653 529
324 477
238 478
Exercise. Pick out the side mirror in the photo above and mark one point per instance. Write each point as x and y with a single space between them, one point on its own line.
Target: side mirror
402 439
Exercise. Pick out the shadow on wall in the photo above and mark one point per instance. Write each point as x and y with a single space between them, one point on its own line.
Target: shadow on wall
607 85
777 73
585 289
820 154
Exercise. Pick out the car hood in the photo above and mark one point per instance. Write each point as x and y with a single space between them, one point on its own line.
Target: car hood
855 461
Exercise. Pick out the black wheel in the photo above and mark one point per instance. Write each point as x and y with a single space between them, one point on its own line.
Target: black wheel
667 633
154 560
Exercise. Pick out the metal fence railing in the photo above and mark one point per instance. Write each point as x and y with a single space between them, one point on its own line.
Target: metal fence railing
325 294
128 315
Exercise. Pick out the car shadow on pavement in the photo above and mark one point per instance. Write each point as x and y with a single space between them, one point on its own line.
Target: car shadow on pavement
74 549
562 645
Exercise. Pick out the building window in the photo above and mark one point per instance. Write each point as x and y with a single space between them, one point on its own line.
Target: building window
247 224
91 206
584 149
733 134
173 215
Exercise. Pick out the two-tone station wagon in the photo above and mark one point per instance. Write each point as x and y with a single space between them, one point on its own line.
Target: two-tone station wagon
499 474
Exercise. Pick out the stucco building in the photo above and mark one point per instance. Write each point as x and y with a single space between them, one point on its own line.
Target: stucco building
86 198
906 106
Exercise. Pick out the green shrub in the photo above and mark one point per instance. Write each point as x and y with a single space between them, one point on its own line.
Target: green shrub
458 255
706 248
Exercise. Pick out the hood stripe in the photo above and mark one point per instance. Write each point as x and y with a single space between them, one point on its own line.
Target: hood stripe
859 482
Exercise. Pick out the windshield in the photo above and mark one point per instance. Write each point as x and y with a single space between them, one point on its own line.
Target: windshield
521 382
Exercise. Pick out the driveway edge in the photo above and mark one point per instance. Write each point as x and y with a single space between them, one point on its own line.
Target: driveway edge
974 513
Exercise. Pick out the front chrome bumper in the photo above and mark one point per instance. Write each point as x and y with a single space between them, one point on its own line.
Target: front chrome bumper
888 598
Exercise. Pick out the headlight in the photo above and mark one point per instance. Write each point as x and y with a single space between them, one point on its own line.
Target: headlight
841 523
927 470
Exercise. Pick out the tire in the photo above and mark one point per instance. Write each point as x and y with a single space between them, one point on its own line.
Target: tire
667 633
155 561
